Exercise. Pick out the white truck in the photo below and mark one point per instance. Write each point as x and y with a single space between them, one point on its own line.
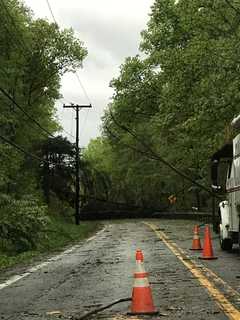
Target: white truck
229 210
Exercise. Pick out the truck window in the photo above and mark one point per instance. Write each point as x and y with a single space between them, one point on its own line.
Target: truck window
229 169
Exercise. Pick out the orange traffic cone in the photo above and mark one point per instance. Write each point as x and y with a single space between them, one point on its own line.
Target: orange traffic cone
142 302
196 243
207 253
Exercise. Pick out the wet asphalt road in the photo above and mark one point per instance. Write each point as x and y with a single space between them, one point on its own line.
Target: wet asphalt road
100 270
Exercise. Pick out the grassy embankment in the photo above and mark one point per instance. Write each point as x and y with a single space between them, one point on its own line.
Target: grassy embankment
60 233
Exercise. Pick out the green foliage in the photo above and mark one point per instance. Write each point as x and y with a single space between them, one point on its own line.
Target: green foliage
95 176
178 101
63 231
58 234
34 54
22 222
57 173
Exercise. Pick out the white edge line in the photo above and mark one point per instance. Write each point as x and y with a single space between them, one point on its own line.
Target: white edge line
16 278
97 234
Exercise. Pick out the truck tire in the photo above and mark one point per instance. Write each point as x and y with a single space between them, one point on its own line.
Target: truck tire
226 244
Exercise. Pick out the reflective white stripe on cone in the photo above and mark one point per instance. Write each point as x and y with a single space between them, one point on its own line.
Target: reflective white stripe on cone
142 302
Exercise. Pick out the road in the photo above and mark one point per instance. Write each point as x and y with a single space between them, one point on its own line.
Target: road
100 270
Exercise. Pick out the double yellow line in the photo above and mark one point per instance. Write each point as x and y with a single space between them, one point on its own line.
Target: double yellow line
224 304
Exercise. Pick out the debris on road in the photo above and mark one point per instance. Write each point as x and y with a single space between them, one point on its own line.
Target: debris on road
98 271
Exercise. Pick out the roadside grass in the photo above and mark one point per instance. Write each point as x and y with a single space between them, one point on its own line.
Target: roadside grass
60 233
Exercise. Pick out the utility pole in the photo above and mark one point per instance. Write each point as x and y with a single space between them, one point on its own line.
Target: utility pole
77 160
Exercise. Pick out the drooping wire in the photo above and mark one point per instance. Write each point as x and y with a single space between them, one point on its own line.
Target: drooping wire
25 112
72 117
84 122
5 93
151 154
62 129
76 73
24 151
77 76
43 133
51 11
82 86
25 48
69 134
21 149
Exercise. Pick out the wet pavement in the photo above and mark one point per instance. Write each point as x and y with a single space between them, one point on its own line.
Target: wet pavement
100 270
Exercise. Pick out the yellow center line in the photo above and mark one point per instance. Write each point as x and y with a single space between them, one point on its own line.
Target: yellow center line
216 278
224 304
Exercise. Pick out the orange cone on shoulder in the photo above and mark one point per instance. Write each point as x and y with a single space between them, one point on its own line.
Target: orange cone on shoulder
196 243
207 253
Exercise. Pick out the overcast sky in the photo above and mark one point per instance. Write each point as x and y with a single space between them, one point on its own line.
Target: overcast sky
110 29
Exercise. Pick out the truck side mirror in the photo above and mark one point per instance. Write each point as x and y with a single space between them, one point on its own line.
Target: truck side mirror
216 188
214 172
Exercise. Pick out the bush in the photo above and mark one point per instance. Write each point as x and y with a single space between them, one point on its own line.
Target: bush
59 207
22 222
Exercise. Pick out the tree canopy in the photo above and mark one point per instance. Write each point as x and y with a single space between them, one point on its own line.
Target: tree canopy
176 99
34 54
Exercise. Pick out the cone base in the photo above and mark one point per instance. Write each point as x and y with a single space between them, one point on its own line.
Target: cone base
196 249
208 258
153 313
142 302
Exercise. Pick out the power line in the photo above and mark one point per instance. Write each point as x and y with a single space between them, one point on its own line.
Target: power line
77 76
25 112
82 86
24 47
21 149
32 125
51 11
84 123
18 106
27 153
69 134
22 43
72 121
62 129
155 156
64 100
87 96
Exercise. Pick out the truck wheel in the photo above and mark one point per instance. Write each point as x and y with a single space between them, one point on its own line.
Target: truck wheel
226 244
